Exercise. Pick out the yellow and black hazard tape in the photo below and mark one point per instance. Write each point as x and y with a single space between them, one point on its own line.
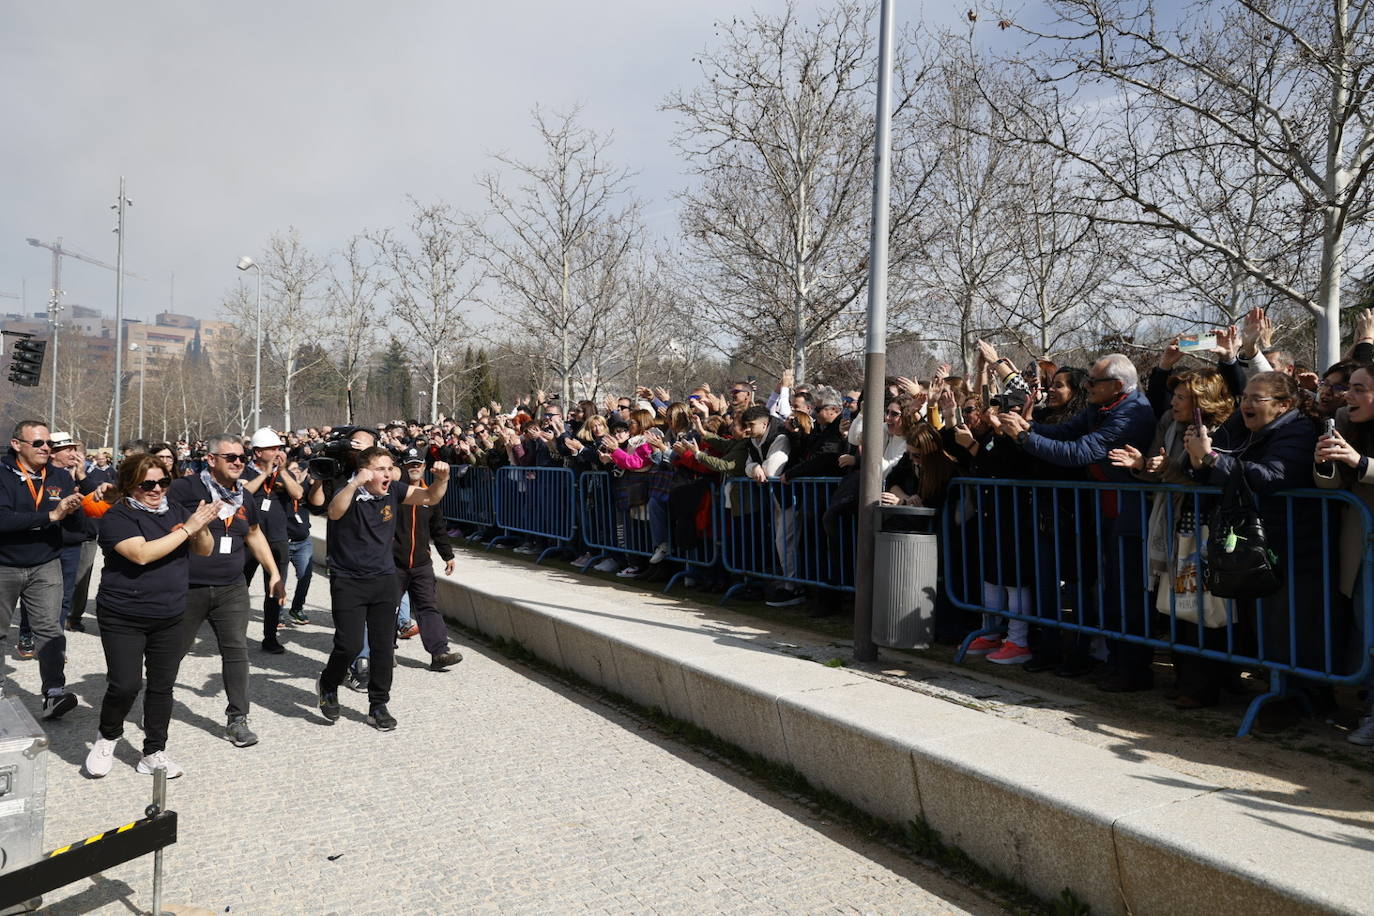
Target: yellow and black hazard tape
97 838
87 857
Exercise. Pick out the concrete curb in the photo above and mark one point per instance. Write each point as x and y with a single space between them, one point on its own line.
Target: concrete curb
1124 836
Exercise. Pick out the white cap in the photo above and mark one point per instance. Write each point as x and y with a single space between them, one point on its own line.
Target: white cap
60 440
264 438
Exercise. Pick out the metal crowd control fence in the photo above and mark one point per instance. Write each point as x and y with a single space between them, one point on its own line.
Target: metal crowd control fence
539 502
610 524
470 498
1106 560
782 531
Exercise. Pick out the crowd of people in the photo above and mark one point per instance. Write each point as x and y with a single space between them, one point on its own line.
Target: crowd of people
182 536
184 527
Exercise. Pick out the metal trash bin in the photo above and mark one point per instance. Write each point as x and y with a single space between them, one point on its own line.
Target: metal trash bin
905 566
23 785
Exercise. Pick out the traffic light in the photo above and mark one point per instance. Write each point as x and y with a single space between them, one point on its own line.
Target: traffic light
26 361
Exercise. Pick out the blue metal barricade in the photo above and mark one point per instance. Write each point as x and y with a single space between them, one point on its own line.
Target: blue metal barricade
539 502
470 498
1126 562
613 523
775 530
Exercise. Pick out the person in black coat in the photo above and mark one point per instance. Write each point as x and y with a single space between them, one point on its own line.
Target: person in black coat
1271 440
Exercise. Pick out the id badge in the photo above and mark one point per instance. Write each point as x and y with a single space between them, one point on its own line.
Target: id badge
297 517
226 544
267 505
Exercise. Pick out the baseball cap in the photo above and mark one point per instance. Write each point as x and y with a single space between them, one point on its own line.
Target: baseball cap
412 456
264 438
60 440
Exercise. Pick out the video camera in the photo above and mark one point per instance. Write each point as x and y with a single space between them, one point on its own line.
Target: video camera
334 454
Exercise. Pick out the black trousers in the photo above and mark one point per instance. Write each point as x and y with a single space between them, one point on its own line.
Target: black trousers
130 643
419 583
358 604
271 607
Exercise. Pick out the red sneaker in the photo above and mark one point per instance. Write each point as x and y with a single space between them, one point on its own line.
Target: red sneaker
982 646
1010 654
409 631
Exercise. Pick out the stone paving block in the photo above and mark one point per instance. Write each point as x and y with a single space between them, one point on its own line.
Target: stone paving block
827 731
589 655
455 601
535 631
1040 809
734 695
491 614
1236 852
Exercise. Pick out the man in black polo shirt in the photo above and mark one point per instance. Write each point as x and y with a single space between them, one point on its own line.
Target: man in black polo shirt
363 585
272 491
418 527
37 503
218 591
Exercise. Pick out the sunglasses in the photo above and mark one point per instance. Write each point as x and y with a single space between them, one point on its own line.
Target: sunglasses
37 443
149 486
233 458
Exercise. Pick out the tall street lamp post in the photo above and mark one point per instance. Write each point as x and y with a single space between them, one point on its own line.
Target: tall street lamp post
247 263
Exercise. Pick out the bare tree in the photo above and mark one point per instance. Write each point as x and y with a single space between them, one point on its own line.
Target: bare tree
563 230
1279 87
351 333
780 133
291 312
431 284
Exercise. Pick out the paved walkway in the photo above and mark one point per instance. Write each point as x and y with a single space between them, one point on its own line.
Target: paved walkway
502 791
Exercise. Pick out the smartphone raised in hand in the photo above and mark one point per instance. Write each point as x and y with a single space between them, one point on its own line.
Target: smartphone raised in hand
1197 343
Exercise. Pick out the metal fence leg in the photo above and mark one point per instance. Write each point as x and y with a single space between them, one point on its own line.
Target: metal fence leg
157 807
1278 686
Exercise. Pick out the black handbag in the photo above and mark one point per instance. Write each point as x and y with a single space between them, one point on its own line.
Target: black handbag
1239 563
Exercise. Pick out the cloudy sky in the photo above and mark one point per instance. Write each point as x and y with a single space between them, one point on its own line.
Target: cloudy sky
231 121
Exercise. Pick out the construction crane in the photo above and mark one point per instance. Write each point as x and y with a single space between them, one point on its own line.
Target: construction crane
55 301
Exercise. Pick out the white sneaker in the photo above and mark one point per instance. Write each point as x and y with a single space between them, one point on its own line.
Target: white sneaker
101 758
607 565
582 560
660 554
629 572
1363 735
156 759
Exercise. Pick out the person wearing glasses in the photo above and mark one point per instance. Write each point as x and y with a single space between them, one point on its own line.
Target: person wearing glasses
218 589
38 505
1271 439
147 541
1117 416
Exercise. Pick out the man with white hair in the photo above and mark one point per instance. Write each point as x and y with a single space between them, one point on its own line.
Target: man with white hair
1117 415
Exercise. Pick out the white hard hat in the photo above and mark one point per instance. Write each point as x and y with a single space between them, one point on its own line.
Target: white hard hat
265 438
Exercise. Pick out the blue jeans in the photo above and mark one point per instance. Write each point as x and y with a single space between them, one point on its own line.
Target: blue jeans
403 618
659 529
302 555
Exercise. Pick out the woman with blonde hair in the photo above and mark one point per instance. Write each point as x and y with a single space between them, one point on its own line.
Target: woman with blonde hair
1173 531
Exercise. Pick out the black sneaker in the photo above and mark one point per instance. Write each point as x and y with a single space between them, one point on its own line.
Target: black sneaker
329 700
787 597
298 616
273 647
24 649
358 676
380 719
445 660
76 626
55 707
238 732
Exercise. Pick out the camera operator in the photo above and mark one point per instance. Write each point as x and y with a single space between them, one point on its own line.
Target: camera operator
363 585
